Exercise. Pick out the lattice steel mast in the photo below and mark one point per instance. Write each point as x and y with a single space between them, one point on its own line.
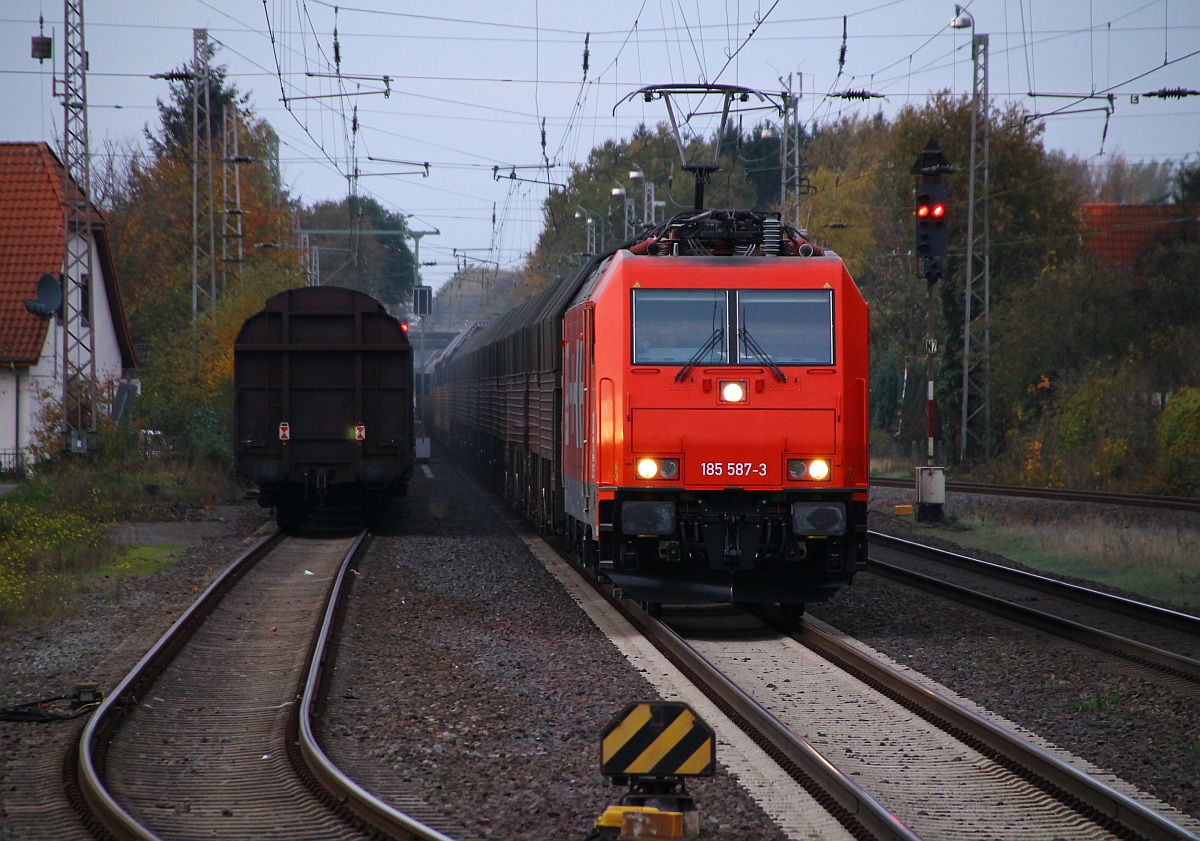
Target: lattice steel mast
78 349
975 431
204 229
232 237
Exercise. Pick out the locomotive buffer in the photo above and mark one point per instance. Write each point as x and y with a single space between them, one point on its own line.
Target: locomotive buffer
651 747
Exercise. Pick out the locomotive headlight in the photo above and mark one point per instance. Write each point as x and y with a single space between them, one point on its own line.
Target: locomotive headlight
733 391
813 469
658 468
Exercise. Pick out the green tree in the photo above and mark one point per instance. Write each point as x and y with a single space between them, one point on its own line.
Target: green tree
1033 227
1178 439
380 265
1186 189
175 116
589 194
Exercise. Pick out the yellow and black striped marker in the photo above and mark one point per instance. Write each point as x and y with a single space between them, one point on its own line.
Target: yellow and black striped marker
658 739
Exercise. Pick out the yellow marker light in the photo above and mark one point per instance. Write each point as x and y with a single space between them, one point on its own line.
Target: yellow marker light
818 470
647 468
733 391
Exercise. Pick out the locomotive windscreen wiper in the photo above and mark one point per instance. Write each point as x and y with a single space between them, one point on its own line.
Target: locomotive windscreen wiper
758 351
717 336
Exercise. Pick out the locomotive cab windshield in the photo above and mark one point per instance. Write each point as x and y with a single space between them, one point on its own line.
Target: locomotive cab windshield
732 327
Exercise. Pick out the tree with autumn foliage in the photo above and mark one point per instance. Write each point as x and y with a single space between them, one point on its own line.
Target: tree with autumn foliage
1082 356
187 370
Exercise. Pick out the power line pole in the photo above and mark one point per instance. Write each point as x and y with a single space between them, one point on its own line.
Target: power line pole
232 248
976 421
789 152
79 357
204 234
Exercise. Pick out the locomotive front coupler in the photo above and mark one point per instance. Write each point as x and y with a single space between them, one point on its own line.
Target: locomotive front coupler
733 543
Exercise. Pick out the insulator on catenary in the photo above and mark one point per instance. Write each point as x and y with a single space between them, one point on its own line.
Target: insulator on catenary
772 236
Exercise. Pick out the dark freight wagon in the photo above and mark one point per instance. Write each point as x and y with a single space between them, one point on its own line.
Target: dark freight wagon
324 402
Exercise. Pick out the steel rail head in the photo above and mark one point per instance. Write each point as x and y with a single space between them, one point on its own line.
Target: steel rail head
1176 503
357 799
1162 616
1038 763
113 710
860 811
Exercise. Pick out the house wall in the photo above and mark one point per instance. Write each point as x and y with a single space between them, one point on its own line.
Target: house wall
24 391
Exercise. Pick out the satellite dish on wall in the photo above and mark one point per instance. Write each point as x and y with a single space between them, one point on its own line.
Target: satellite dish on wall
49 297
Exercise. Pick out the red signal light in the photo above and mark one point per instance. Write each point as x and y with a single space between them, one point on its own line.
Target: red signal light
922 211
939 210
403 326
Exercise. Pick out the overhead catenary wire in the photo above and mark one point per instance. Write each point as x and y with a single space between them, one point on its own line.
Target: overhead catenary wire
581 123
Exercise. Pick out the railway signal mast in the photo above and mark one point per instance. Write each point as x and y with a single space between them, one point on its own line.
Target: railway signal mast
932 245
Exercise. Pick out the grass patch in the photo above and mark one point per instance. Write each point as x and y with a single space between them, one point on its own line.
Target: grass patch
41 552
1150 562
137 561
55 529
1099 703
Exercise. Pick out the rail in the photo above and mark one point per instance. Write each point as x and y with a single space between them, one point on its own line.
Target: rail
114 709
1177 503
326 780
861 814
1104 805
1140 652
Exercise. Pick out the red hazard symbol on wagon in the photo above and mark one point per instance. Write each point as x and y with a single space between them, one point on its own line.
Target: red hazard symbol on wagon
360 432
285 432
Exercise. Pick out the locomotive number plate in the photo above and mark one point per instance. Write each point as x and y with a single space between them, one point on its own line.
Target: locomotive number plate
734 469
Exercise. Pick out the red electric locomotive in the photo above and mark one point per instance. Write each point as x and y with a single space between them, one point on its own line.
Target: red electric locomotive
711 443
714 437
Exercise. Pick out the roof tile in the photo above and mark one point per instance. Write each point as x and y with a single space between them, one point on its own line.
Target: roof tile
1119 233
31 242
31 245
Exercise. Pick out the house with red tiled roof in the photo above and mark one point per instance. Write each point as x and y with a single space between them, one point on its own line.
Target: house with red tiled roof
1119 233
33 245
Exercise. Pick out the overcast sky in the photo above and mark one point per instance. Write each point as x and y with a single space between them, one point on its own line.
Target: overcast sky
471 82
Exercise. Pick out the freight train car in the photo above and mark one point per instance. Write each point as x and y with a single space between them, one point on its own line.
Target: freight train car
324 403
689 411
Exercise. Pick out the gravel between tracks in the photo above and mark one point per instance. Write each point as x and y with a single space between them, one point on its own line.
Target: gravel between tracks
506 685
478 681
1143 726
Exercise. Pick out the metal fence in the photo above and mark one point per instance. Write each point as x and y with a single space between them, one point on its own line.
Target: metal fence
12 462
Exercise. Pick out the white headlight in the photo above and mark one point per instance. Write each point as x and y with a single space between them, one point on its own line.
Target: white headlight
818 470
733 391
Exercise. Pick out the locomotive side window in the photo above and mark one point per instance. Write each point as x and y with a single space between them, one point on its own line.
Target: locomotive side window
674 325
785 327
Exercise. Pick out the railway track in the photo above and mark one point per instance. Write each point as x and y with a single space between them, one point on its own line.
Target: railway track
944 771
885 755
211 734
1177 503
1152 636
